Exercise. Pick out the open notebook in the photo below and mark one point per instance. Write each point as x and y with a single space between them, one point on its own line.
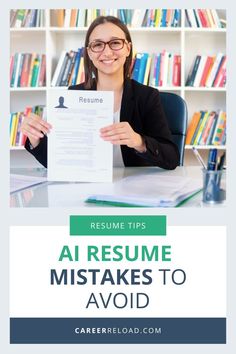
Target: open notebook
153 190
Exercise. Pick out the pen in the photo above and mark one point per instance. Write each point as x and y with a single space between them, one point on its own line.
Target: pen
198 156
212 160
221 162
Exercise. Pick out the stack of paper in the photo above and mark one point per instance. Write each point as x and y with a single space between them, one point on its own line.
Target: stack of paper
153 190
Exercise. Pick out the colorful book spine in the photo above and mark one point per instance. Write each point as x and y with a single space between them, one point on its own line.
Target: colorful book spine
23 18
201 128
192 127
220 74
27 70
142 67
213 73
220 128
203 18
192 74
206 70
207 128
35 72
17 138
197 128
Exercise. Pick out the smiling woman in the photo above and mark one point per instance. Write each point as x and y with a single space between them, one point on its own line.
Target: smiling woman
139 133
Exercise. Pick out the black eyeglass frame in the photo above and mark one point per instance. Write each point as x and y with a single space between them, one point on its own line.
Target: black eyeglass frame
105 43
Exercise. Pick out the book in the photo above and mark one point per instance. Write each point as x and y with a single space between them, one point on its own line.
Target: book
67 18
73 17
193 71
137 18
201 128
216 18
191 18
35 72
136 66
68 67
210 18
197 18
212 129
42 72
220 73
158 71
13 128
202 113
13 15
219 129
206 70
76 67
203 18
207 128
19 18
147 71
176 77
192 127
60 17
58 69
200 70
20 68
25 70
81 18
80 75
32 59
142 67
213 72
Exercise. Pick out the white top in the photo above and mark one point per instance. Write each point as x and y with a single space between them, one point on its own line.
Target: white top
117 156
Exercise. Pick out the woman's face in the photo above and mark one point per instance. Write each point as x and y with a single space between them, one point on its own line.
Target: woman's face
108 61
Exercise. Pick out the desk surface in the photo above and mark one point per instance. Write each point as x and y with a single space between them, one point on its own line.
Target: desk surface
58 194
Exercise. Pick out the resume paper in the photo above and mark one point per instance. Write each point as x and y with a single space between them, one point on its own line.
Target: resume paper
76 152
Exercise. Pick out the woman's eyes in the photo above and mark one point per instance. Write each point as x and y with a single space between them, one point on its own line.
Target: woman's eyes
98 45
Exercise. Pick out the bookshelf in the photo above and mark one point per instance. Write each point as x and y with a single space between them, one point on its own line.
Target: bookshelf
183 40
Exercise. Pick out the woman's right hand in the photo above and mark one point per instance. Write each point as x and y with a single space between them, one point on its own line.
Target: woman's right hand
34 127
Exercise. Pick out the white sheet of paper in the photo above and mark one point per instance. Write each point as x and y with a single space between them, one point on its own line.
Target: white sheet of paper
76 152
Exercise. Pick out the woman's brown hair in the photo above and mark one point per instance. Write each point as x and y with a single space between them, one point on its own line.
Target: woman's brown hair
89 69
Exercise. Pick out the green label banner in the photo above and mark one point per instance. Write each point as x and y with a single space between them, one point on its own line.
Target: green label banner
113 225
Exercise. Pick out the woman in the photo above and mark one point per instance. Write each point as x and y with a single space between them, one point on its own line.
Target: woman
140 133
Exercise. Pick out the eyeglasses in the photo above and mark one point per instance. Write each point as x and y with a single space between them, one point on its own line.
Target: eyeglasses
114 44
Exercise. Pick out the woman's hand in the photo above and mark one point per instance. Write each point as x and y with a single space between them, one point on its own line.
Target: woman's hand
123 134
34 127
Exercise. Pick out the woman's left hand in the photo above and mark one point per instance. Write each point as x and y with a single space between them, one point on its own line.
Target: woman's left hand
123 134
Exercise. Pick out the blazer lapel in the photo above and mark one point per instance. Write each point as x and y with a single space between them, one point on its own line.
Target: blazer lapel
127 102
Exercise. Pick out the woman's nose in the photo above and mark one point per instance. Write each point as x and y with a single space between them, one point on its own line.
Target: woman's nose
107 50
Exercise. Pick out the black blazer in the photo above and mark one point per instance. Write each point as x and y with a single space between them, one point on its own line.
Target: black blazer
141 107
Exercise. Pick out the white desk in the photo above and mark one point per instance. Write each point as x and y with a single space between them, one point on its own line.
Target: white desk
56 194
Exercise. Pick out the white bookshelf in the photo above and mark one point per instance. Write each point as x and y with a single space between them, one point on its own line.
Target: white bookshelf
188 42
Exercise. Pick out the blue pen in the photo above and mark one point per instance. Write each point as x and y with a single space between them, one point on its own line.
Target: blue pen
212 160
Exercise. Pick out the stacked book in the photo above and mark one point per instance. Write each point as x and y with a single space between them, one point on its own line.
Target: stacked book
203 18
70 68
16 119
27 18
208 71
27 70
132 18
207 128
161 69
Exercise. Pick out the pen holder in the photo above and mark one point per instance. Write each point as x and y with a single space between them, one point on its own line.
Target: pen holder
213 186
